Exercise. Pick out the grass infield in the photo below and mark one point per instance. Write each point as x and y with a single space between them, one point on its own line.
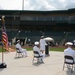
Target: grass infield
60 49
51 49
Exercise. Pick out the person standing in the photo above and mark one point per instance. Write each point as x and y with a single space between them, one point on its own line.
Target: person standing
42 44
21 49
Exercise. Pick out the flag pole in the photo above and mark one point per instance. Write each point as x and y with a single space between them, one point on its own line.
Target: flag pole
2 54
3 65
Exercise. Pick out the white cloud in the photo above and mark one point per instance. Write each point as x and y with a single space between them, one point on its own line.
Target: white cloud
63 1
37 4
11 4
49 6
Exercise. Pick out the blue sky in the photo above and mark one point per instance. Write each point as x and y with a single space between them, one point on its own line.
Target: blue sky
45 5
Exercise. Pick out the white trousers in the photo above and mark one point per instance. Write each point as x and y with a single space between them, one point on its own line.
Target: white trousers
43 55
24 52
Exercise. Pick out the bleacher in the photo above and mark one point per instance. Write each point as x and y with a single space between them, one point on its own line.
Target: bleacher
71 36
35 35
11 34
57 36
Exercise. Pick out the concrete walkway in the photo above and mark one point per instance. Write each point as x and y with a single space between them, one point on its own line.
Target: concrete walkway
53 65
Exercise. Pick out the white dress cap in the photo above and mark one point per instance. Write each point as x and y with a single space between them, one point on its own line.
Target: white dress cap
36 43
69 43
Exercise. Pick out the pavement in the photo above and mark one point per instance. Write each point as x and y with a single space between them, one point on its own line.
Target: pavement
53 65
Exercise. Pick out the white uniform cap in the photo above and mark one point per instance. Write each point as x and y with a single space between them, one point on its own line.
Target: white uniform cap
18 40
36 43
69 43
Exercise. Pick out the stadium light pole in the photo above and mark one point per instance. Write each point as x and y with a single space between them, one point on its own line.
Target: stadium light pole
22 4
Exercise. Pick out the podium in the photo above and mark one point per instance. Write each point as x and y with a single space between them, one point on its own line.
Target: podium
47 50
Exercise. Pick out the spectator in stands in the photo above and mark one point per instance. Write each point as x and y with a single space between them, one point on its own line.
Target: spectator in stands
36 48
21 49
42 44
69 51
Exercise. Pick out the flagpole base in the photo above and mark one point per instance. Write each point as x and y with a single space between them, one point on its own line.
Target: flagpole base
3 65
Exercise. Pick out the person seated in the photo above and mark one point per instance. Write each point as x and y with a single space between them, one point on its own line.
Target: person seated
21 49
69 51
36 48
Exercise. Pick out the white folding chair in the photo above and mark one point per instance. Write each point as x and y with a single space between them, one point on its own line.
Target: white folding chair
18 53
71 64
36 57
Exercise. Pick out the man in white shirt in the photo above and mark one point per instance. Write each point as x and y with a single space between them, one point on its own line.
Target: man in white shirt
36 48
69 51
42 44
21 49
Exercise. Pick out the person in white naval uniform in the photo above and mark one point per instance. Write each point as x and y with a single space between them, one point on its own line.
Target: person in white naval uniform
36 48
69 51
42 44
21 49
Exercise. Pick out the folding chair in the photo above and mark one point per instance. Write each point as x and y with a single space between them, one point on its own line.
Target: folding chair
36 57
66 58
18 53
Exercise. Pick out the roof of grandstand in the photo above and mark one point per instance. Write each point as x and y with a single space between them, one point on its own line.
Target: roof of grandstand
37 12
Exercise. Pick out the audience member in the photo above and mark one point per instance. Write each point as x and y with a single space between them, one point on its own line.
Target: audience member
69 51
36 48
21 49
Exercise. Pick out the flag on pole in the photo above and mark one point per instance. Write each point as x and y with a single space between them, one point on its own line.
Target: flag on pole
4 35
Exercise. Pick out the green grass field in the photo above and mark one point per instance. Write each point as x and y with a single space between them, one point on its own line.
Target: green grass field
1 50
60 49
51 49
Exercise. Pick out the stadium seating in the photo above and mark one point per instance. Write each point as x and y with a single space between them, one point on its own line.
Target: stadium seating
71 36
11 34
57 36
35 35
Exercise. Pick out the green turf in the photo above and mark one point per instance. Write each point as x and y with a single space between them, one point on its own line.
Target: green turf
51 49
60 49
56 49
1 50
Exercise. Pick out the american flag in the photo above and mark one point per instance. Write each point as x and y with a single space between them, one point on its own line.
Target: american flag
4 37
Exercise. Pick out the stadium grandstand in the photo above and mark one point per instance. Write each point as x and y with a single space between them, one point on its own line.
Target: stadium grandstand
28 24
